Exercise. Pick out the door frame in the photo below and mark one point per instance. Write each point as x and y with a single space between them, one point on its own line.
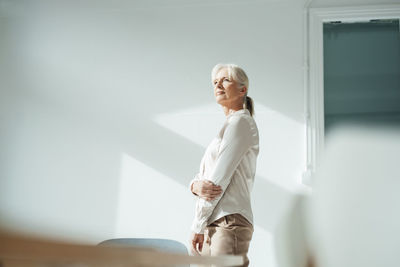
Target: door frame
314 79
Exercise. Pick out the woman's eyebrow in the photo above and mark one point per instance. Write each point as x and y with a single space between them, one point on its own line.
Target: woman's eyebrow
220 79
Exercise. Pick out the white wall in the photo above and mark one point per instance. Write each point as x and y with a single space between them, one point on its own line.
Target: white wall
106 109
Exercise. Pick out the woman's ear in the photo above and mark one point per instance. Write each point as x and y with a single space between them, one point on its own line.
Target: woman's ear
243 90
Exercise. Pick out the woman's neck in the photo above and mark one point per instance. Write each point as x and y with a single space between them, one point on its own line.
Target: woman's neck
230 110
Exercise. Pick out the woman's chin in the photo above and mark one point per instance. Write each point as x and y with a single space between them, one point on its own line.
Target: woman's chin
219 100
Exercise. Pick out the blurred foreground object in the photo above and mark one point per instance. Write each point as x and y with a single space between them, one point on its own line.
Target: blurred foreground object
25 251
163 245
354 213
166 245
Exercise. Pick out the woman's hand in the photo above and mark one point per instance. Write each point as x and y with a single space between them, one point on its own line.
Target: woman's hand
197 243
206 189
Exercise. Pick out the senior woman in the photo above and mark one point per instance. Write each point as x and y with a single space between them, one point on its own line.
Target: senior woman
223 216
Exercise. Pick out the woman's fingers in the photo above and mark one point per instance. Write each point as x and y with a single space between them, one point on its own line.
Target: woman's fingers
211 195
194 245
194 249
211 188
208 190
216 191
206 184
197 243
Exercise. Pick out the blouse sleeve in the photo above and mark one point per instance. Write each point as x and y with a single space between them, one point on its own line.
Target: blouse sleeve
197 176
235 143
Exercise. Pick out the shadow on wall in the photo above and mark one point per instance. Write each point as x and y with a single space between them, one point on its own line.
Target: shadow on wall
58 150
178 158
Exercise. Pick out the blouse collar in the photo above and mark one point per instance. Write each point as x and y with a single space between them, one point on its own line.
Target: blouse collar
240 111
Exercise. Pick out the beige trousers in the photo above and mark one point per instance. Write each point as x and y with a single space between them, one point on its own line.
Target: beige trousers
230 234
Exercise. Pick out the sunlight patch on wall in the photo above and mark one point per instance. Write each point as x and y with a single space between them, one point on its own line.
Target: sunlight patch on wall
282 144
198 124
282 147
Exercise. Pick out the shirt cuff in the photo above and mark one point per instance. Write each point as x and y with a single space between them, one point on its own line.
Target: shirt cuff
198 228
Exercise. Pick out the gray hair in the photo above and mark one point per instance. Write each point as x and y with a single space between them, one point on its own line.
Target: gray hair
237 74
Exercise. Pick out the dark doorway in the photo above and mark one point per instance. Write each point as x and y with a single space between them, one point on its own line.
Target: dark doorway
361 73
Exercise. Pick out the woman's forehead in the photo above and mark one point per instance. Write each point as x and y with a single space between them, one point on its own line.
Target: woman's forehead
222 73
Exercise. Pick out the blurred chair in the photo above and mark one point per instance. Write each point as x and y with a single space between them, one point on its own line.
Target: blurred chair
163 245
18 250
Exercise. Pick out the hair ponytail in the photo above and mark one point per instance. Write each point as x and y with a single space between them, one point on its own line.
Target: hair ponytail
249 104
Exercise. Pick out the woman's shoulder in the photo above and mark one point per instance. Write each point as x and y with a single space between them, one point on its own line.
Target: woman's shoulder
242 120
239 118
242 117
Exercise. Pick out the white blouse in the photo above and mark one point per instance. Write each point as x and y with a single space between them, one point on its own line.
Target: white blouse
229 161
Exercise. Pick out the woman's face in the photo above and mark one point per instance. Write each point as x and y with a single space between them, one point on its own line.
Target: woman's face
226 90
